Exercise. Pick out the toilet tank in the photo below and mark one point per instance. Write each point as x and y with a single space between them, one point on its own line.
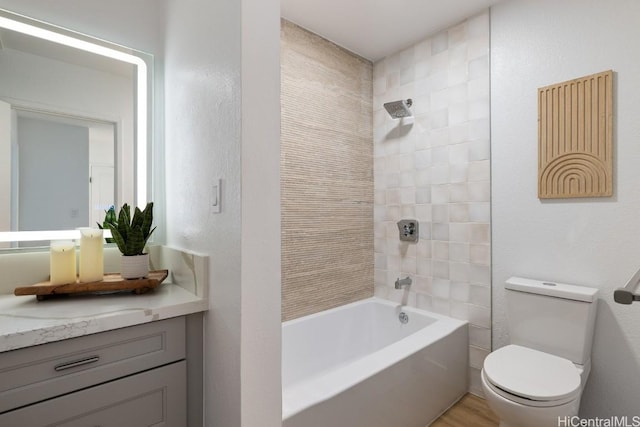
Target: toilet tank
552 317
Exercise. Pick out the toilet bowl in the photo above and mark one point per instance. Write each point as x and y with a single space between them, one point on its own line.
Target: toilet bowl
529 388
538 378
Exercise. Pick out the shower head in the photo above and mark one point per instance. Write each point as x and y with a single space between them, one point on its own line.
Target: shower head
399 109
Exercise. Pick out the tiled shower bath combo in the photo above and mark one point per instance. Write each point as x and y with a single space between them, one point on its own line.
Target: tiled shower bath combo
437 171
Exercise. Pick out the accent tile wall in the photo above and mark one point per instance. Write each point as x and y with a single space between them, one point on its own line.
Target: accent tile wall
326 174
437 171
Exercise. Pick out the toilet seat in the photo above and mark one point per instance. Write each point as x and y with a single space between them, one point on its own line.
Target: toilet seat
531 377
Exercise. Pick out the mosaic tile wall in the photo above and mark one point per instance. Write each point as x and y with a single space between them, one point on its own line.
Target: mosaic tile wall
326 174
437 171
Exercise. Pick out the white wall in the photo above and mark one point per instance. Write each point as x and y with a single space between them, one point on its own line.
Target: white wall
223 117
102 170
593 242
261 263
101 144
53 84
203 143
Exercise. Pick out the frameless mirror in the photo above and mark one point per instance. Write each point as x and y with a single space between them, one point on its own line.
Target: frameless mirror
74 129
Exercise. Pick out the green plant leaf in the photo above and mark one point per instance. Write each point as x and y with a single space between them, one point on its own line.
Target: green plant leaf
137 220
148 235
117 237
109 218
135 243
147 215
110 215
124 222
132 233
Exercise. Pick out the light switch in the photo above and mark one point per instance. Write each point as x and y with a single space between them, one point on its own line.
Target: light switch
215 196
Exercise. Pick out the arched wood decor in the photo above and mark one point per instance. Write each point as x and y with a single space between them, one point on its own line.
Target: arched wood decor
575 138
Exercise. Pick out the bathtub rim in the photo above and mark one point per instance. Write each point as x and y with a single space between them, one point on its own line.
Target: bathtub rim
398 306
321 388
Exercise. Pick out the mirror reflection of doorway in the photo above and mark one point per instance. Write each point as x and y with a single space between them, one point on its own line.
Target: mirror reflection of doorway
64 176
53 175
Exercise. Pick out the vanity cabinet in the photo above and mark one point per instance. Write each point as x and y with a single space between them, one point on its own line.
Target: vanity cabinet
134 376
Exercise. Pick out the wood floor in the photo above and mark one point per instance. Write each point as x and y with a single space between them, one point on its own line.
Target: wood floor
470 411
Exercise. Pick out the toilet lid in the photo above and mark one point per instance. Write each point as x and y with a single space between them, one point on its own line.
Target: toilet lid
532 374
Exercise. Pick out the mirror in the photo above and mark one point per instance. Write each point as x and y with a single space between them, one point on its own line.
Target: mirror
74 129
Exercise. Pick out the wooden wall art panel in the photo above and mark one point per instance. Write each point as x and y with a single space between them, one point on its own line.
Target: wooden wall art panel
575 138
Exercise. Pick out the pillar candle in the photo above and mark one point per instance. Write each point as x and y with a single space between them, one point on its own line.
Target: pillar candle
91 255
62 263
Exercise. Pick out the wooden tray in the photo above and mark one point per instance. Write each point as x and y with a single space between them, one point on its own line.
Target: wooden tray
110 282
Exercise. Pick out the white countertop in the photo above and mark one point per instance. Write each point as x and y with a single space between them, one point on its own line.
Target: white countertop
25 321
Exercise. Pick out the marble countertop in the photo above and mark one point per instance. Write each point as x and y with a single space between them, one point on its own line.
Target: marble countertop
25 321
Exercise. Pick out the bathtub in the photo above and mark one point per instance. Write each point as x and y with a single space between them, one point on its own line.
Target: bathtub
359 366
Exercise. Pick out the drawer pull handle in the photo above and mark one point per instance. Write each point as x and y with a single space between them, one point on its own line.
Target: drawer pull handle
76 363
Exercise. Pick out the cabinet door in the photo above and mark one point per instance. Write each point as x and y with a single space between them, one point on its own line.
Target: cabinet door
152 398
34 374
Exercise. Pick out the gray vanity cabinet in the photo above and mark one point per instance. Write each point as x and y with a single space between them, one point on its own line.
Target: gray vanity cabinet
130 377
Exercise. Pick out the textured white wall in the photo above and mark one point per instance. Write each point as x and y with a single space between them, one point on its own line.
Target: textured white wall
223 118
203 142
592 242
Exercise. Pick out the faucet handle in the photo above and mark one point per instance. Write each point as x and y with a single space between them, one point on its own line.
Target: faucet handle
408 229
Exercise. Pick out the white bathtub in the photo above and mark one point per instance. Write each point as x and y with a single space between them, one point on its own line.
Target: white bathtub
359 366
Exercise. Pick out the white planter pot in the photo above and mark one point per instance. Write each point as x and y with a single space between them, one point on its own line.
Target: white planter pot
134 267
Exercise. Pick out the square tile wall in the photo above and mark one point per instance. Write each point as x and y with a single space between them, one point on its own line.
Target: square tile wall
437 171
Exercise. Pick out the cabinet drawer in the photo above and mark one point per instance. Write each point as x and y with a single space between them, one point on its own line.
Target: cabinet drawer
153 398
36 373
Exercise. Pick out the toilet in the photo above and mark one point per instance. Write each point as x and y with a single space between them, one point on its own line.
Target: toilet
539 377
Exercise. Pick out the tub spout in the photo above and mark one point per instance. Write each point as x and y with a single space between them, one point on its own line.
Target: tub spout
403 282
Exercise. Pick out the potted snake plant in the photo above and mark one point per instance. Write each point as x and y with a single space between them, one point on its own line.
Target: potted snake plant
131 234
